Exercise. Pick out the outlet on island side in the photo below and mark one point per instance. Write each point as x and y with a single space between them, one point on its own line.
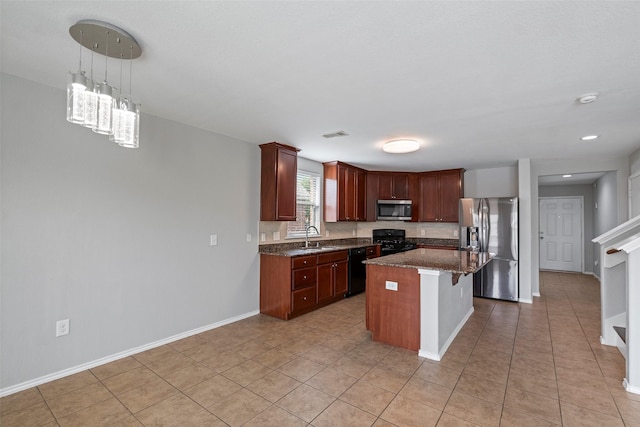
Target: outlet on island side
392 286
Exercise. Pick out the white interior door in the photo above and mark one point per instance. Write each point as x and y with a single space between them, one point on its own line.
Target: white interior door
561 233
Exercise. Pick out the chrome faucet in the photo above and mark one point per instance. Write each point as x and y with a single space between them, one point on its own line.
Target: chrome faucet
307 227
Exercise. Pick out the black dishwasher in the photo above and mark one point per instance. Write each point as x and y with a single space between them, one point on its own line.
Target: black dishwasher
357 271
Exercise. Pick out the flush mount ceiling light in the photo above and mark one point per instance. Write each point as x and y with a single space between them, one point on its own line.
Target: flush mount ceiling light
567 176
100 106
588 98
589 137
401 146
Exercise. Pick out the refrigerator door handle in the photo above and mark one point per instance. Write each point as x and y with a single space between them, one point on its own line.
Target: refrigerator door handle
484 225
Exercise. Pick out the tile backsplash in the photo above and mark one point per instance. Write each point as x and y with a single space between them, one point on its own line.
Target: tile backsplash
346 230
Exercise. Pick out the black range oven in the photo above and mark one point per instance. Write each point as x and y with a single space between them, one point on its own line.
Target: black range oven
391 241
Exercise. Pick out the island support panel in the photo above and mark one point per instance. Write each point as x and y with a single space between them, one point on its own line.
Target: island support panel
444 309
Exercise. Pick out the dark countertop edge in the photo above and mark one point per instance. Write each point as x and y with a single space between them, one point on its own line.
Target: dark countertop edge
316 251
381 262
429 241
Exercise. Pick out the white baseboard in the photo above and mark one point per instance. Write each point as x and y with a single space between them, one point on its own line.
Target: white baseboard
630 388
438 356
112 358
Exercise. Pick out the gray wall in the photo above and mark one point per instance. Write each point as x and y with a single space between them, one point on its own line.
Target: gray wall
606 211
493 182
586 191
116 240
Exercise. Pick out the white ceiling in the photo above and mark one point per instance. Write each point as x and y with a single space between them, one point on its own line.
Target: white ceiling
480 84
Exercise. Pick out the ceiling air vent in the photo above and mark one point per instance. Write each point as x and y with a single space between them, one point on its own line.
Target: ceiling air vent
335 134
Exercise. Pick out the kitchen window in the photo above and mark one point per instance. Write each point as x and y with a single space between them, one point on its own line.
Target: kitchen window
307 205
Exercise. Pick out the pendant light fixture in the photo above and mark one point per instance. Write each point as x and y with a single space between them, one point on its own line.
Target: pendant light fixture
75 93
100 106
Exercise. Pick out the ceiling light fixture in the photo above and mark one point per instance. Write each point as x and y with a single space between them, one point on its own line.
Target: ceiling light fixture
99 106
588 98
401 146
567 176
589 137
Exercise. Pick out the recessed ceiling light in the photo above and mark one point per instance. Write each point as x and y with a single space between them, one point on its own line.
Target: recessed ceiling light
567 176
589 137
401 146
588 98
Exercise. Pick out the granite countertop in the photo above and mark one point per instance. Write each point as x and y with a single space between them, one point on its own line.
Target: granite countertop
461 262
312 250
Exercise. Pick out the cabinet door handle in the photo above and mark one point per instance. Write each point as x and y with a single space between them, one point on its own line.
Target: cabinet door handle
304 298
304 262
304 277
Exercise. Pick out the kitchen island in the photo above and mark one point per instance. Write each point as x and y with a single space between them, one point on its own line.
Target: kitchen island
420 299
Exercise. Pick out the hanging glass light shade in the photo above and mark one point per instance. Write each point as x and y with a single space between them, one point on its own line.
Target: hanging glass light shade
75 97
75 93
104 125
130 125
90 105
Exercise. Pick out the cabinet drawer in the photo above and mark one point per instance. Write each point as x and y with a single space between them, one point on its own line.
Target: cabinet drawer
304 298
304 277
303 261
333 257
372 251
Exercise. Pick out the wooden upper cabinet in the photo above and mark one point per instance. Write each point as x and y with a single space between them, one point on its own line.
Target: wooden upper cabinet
344 192
393 185
439 195
361 195
279 168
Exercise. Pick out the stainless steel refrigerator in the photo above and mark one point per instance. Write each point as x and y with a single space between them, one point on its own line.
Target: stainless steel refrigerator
491 225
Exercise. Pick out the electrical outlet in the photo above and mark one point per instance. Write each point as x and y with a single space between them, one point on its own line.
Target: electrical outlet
213 240
455 233
276 236
327 233
354 232
248 237
263 237
62 327
423 232
392 286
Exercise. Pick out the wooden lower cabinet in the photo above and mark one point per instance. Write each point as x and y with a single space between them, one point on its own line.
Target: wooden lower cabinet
393 317
373 251
291 286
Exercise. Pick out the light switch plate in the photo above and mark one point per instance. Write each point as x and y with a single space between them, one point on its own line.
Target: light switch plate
213 240
263 237
248 237
276 236
455 233
423 232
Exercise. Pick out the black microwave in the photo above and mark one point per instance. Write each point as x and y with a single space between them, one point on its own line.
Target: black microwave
393 210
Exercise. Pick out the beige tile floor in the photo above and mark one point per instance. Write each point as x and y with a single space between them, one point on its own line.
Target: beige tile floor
512 365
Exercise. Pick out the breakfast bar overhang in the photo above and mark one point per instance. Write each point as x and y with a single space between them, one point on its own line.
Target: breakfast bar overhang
420 299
